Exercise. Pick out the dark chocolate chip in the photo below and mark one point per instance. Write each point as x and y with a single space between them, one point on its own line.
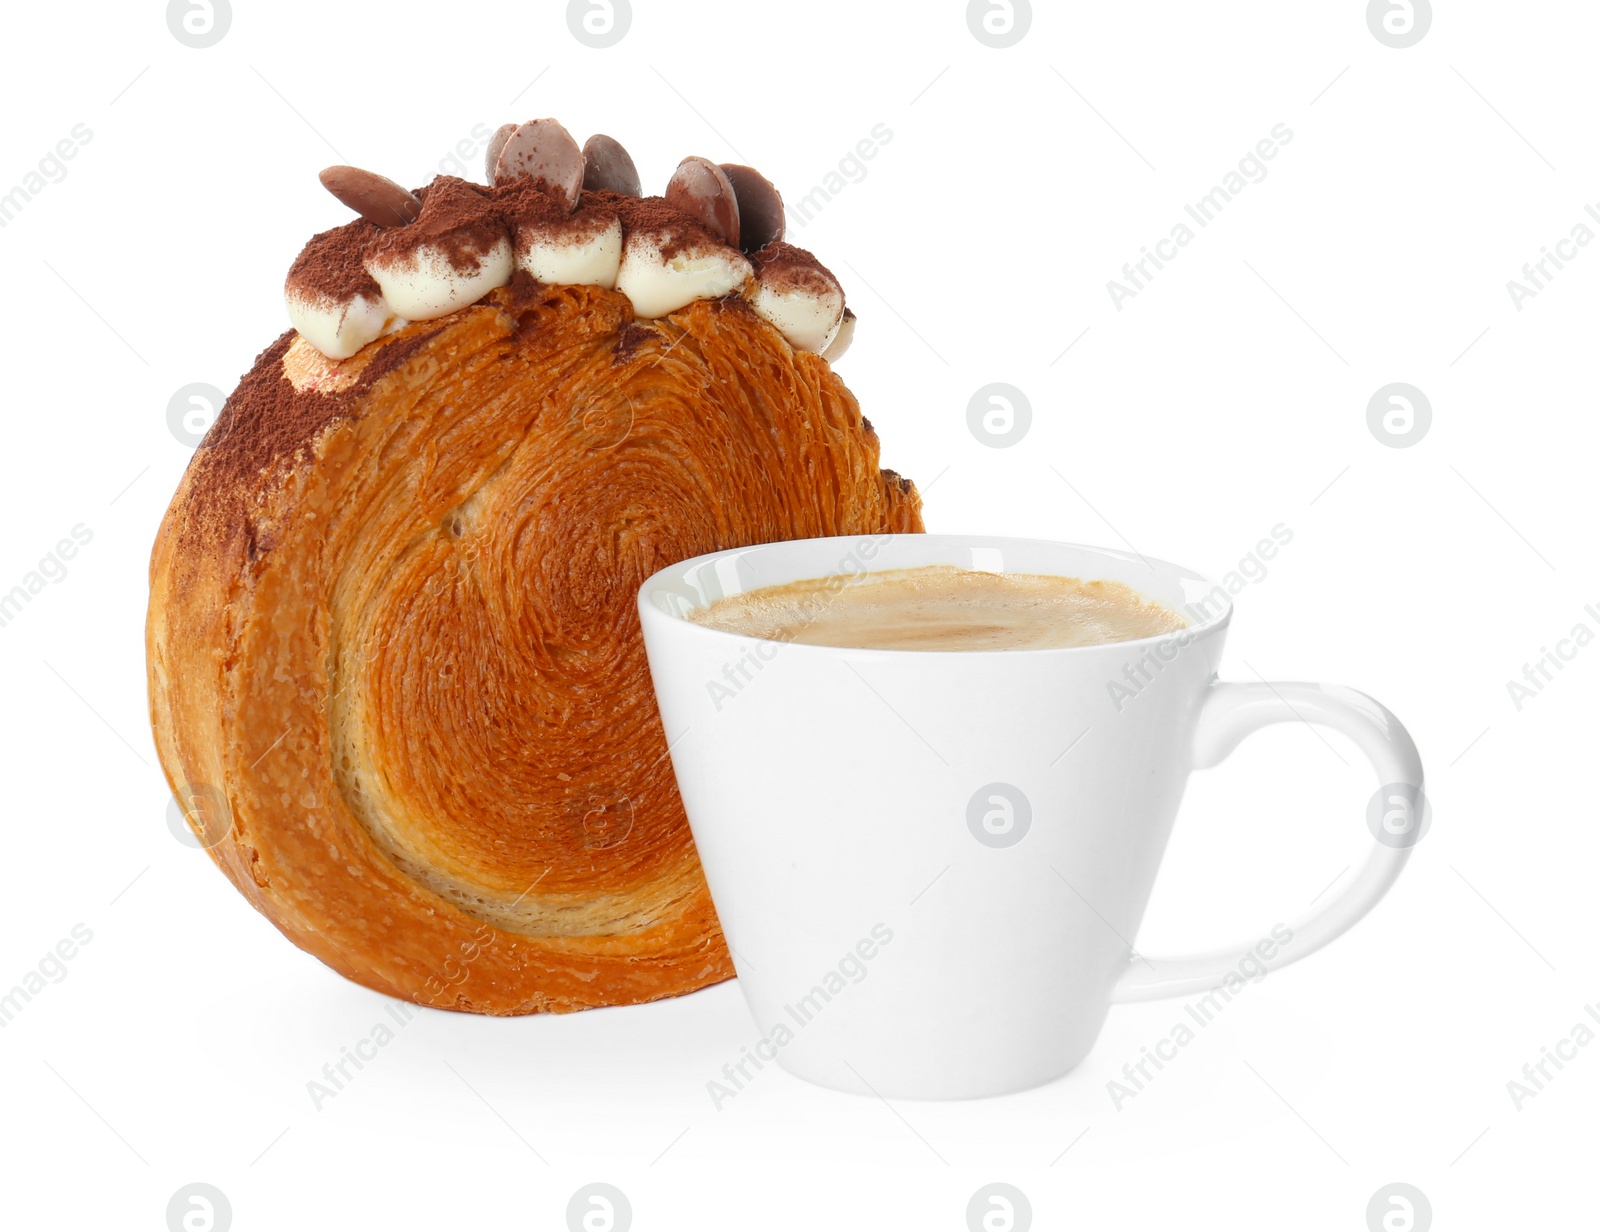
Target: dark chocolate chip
760 206
369 194
700 189
496 143
544 152
607 165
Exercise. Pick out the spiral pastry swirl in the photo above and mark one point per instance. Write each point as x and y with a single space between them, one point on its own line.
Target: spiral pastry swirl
395 668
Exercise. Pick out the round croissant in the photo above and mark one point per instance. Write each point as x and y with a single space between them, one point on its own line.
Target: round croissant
395 667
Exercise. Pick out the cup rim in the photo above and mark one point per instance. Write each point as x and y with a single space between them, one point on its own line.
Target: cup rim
1208 627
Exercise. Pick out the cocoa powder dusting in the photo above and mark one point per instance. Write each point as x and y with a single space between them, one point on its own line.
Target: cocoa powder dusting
630 337
675 230
524 289
524 202
266 421
265 418
330 267
783 267
457 218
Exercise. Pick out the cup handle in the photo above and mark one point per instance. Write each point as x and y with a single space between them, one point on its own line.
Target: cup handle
1228 714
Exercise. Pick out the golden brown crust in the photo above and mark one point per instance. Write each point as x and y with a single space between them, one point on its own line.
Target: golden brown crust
392 626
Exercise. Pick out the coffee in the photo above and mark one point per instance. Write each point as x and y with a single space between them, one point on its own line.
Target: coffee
940 607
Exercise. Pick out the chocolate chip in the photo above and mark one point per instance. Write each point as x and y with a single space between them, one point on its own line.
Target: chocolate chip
491 155
369 194
544 152
760 206
699 188
607 165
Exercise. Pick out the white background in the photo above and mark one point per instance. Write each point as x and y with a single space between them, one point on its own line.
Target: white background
1227 397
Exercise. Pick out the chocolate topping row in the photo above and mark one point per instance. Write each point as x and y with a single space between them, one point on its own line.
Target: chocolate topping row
563 214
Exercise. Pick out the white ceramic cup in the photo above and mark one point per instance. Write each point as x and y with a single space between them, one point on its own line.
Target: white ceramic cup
930 866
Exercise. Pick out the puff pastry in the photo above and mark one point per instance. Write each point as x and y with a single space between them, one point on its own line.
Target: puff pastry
394 662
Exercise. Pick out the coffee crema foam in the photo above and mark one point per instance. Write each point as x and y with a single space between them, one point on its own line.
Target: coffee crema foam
941 607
